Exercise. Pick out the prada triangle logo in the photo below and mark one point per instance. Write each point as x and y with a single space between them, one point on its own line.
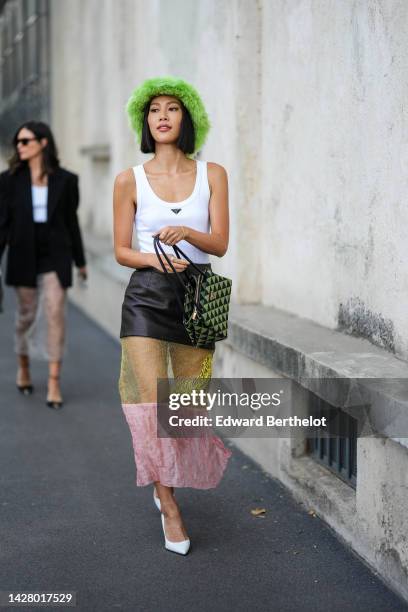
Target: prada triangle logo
176 210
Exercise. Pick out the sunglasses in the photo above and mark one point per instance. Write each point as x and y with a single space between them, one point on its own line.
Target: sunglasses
24 141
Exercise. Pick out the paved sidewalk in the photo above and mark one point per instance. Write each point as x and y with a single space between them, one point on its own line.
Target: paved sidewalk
73 519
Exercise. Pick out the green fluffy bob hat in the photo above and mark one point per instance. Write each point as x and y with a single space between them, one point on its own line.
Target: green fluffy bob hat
171 86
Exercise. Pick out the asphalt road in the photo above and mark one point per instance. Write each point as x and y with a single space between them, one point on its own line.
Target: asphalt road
72 518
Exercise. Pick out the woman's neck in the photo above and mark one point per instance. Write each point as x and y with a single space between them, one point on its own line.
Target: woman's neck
169 159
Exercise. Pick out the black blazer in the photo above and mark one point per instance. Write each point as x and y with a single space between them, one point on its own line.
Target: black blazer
17 226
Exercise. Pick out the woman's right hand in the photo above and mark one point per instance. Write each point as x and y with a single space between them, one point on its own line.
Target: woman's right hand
179 264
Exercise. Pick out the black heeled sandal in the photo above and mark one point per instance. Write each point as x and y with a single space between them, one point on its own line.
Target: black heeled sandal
25 389
56 404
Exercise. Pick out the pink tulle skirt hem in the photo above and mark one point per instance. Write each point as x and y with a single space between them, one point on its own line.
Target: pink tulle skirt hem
197 462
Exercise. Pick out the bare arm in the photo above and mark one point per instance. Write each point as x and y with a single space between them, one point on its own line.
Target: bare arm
215 243
124 208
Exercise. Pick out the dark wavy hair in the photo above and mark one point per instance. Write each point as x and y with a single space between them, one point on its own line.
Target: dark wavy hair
50 161
186 139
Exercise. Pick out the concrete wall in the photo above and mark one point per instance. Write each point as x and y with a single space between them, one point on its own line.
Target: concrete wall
307 105
334 162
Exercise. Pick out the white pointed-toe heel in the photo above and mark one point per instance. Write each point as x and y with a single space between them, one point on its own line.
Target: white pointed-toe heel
181 548
156 499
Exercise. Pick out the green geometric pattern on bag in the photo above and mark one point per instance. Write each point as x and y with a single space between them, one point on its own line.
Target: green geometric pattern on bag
209 322
206 301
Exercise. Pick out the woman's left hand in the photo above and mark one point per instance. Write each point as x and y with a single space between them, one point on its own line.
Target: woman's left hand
83 273
171 234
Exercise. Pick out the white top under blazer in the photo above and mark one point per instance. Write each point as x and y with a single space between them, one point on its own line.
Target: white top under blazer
39 198
153 213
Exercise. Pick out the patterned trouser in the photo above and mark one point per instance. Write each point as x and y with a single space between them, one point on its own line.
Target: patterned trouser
40 318
197 462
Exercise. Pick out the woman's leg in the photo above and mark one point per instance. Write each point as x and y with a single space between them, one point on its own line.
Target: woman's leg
26 310
144 360
191 369
54 390
54 304
204 454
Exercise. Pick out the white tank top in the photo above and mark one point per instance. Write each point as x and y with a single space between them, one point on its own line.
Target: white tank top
153 213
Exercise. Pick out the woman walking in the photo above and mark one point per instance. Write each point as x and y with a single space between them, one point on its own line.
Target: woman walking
38 221
177 199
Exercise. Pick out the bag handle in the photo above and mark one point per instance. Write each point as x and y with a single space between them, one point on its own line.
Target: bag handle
177 251
157 245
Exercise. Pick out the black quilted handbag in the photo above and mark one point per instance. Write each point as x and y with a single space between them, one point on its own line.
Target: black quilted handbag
206 300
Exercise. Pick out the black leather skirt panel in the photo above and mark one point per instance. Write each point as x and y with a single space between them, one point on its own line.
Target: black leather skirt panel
150 307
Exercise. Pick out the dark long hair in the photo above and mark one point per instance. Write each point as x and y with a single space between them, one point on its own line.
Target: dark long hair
185 141
50 161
